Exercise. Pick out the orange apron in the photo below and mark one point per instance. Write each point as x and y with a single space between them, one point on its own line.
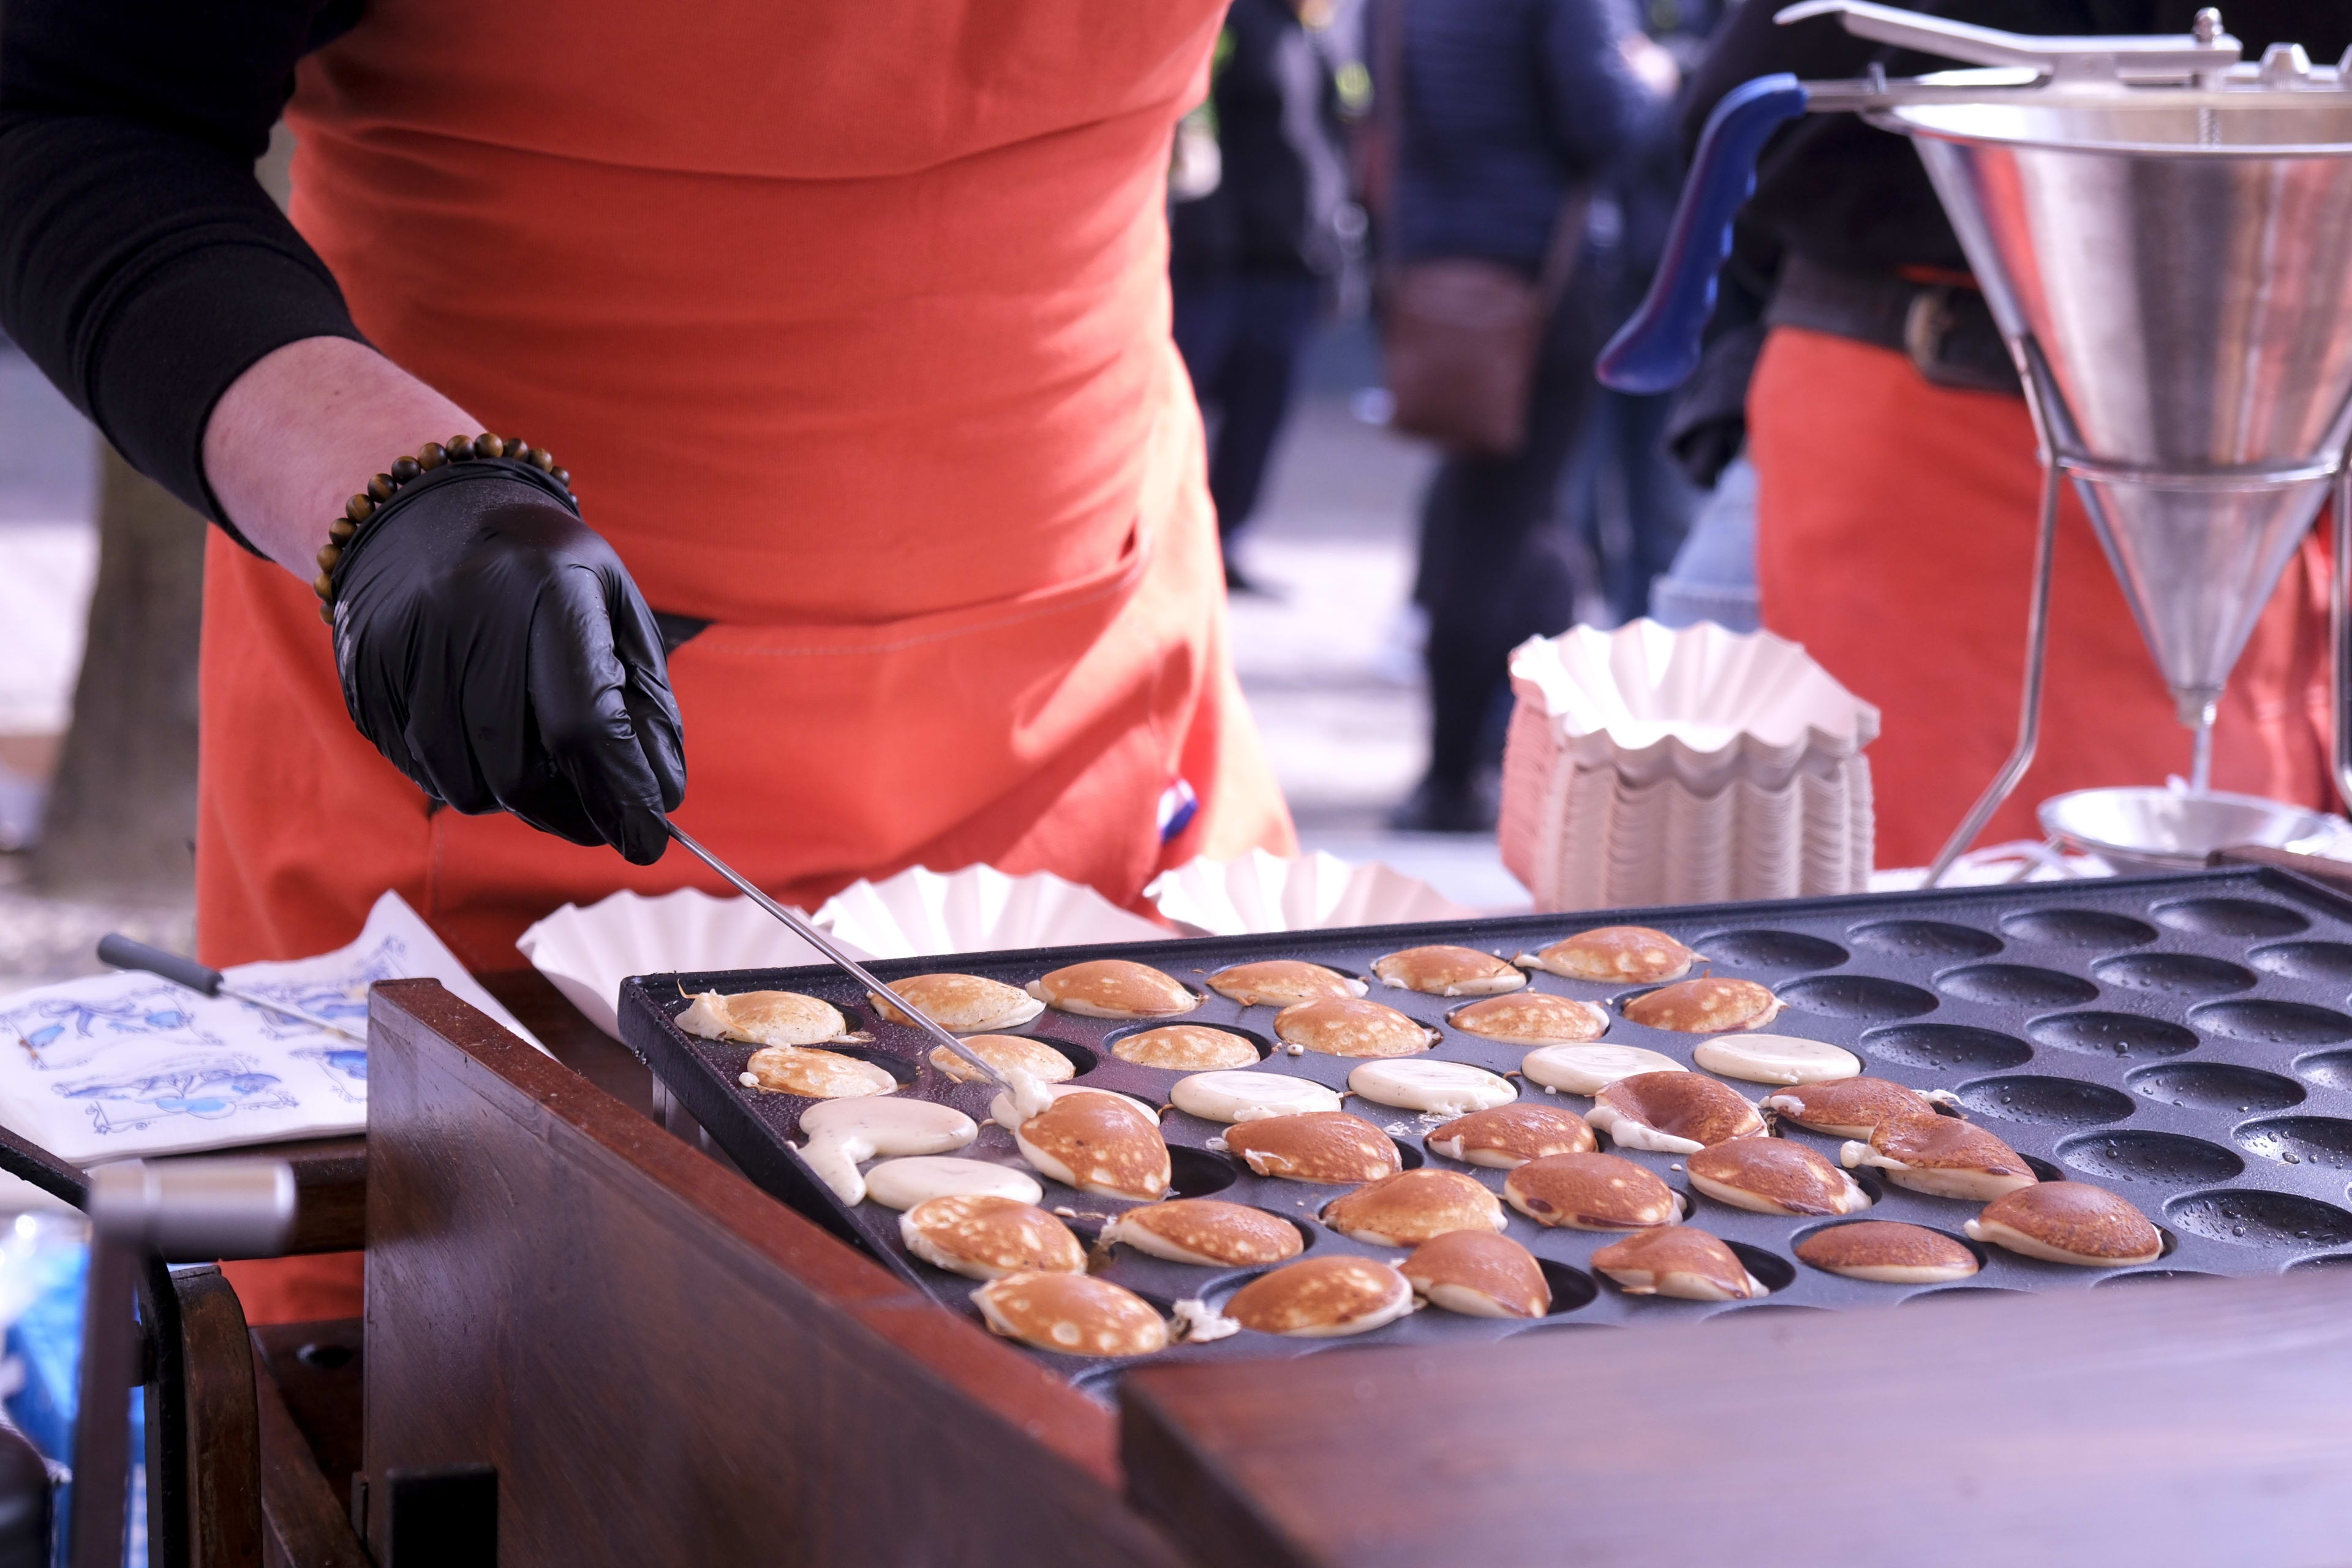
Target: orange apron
1895 527
852 325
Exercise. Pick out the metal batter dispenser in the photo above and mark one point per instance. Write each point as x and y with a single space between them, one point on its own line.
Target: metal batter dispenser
2163 232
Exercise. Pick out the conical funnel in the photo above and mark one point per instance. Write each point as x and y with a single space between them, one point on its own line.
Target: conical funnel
2176 273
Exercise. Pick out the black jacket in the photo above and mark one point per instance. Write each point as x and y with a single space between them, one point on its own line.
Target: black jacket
1283 175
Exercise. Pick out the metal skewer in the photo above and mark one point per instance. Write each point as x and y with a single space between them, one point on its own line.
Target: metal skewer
855 970
122 952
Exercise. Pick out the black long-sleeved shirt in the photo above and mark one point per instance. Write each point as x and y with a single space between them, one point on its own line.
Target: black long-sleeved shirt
142 268
1848 196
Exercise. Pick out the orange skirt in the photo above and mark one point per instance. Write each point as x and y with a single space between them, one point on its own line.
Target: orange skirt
1895 539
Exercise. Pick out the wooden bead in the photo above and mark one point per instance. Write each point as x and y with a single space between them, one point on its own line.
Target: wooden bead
459 448
404 470
327 555
327 613
324 586
561 476
539 457
359 509
341 530
430 455
380 488
488 447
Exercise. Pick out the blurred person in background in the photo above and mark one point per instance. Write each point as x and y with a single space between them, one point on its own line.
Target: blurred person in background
1506 111
1256 187
1898 481
1625 497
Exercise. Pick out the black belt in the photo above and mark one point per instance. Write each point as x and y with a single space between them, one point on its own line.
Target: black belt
1946 330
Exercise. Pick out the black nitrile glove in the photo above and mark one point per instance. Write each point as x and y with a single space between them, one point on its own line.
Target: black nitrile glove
493 647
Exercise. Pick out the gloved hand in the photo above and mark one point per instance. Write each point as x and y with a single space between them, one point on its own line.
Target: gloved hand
493 647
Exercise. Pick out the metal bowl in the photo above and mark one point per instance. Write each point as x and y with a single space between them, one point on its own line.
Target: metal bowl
2157 830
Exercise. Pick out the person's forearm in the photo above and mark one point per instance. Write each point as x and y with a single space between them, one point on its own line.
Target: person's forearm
303 431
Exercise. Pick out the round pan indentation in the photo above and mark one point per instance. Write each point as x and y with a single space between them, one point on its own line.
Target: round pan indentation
2244 1217
2328 1069
2112 1034
2096 929
1947 1047
2174 974
2325 1260
1925 939
2230 917
2016 986
1199 1173
1856 996
2327 961
2216 1086
1571 1288
1953 1292
2273 1023
1785 950
2156 1276
2052 1101
1775 1272
2163 1159
2299 1140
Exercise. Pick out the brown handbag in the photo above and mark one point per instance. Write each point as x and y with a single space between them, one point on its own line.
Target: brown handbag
1460 335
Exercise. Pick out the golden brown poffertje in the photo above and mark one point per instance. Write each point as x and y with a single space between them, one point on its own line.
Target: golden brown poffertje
763 1018
1327 1146
1005 1052
1590 1192
1888 1252
1186 1047
1509 1136
1282 982
1624 955
1449 971
961 1004
1352 1026
1532 1018
1410 1207
1318 1298
985 1238
818 1075
1479 1275
1852 1107
1941 1156
1773 1175
1207 1233
1672 1113
1098 1142
2069 1222
1074 1314
1681 1261
1707 1005
1113 988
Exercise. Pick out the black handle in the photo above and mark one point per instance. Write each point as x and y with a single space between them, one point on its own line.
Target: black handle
120 950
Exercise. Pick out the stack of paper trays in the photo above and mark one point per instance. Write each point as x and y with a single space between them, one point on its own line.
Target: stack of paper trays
1654 766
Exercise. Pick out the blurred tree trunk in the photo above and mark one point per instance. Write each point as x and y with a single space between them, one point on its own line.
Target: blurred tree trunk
121 817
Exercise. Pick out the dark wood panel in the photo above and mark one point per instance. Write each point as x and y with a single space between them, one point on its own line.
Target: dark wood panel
2194 1424
665 1364
570 1039
317 1369
305 1521
222 1449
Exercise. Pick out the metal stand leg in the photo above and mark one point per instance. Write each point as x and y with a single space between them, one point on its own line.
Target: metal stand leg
2029 720
2200 763
2341 622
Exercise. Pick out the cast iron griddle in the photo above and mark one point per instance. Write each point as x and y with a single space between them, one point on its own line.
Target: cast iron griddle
2186 1041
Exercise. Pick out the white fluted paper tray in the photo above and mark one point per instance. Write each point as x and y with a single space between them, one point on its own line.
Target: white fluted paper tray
587 952
977 909
1693 704
1263 892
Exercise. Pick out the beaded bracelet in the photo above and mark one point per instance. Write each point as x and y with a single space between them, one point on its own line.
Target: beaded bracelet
382 489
